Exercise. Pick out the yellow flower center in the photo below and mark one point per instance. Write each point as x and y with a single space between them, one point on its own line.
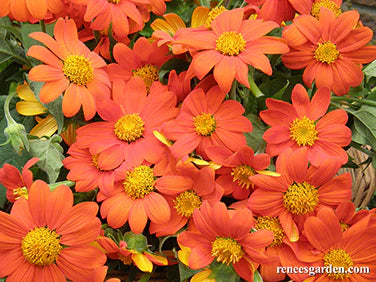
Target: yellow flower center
129 128
78 70
301 198
148 73
226 250
215 12
326 52
205 124
127 260
94 161
139 182
240 175
41 246
186 202
303 131
272 224
344 226
338 258
21 192
316 7
230 43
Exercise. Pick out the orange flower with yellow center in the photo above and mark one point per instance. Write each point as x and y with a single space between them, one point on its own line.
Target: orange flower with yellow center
73 70
305 124
324 46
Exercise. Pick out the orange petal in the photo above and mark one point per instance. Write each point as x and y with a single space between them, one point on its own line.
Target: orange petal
137 216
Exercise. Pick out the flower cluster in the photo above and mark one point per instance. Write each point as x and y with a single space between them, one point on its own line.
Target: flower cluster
214 145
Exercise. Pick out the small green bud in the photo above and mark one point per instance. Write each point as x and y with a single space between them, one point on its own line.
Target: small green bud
16 136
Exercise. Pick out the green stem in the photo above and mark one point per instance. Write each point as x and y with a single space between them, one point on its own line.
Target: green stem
360 148
68 183
233 90
42 25
254 88
361 101
97 36
8 116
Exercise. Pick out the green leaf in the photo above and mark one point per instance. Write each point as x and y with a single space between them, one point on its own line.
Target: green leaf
28 28
50 154
205 3
55 107
223 273
254 138
185 272
364 125
136 242
173 64
370 70
257 277
10 49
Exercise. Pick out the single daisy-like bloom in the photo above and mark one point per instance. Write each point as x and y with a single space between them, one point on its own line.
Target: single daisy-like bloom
123 15
70 68
185 191
331 50
17 184
333 248
205 120
236 168
143 61
224 236
86 172
299 191
30 106
231 46
135 198
348 216
305 124
139 255
45 238
129 121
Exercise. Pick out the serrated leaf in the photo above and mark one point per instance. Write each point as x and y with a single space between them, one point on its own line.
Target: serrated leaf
50 154
254 138
55 107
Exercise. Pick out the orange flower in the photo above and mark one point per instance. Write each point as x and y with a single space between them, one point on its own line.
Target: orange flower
143 61
139 255
122 14
135 198
305 124
299 191
129 121
86 172
232 45
45 238
70 68
17 183
333 248
237 168
331 49
347 215
206 120
185 190
223 236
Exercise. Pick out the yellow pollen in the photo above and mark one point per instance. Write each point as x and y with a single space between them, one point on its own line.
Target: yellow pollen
148 73
21 192
186 202
344 226
129 128
316 7
127 260
301 198
114 1
205 124
78 70
94 161
226 250
338 258
139 182
326 52
240 175
41 246
215 12
303 131
272 224
230 43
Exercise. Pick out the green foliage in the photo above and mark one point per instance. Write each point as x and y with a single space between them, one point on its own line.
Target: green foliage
176 64
136 242
185 272
223 272
254 138
50 154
